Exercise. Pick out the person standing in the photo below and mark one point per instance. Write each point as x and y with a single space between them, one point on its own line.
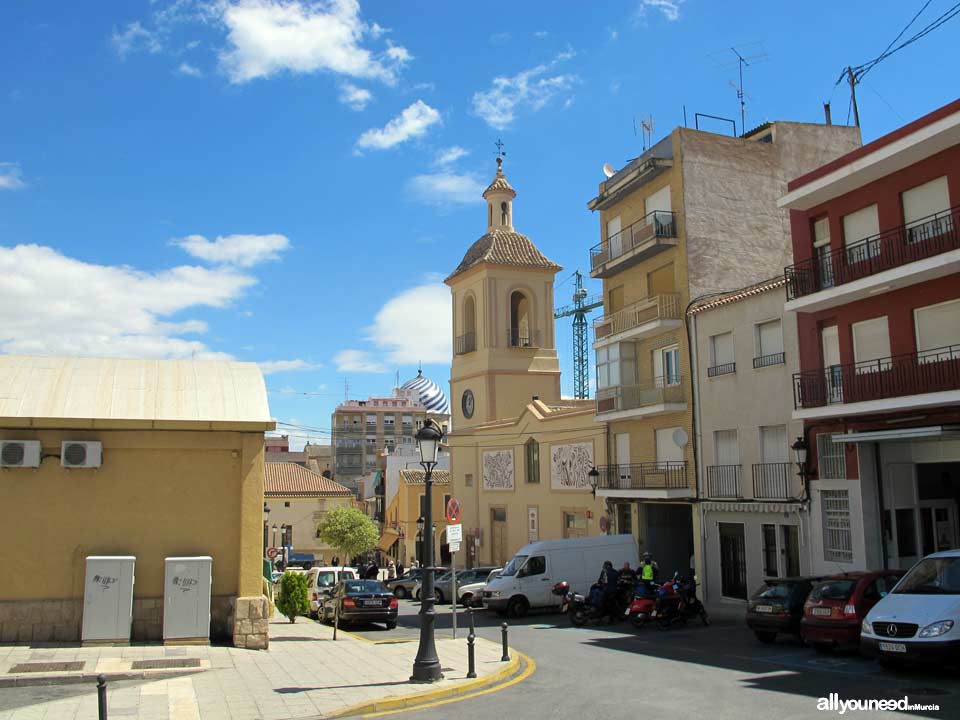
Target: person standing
400 568
392 571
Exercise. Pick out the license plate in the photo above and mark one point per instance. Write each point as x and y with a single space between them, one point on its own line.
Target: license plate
626 612
764 608
822 611
368 603
893 647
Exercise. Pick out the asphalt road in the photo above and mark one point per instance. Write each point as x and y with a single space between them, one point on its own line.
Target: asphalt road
700 672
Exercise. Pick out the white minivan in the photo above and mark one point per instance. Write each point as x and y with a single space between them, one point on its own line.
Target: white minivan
920 618
527 580
320 582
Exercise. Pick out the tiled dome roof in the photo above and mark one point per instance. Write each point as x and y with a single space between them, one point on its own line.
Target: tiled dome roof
500 183
432 397
503 247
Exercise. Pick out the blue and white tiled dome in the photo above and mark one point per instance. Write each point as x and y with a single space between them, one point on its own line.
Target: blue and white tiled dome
432 397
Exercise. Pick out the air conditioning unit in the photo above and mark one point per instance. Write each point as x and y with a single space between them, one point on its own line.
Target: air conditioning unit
81 454
20 453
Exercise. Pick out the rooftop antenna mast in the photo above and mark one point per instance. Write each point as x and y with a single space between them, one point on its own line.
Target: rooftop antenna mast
647 125
743 106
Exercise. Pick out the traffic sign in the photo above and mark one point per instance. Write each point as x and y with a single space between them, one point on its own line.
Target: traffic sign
454 547
272 553
455 533
454 511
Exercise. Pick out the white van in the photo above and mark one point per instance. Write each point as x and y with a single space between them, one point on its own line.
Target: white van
320 582
527 580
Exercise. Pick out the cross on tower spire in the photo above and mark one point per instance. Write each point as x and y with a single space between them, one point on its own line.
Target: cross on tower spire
501 153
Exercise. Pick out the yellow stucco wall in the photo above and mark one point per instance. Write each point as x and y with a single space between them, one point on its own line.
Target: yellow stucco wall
404 510
158 494
305 514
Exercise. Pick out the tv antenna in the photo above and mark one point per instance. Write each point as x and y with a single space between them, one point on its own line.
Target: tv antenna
743 59
646 128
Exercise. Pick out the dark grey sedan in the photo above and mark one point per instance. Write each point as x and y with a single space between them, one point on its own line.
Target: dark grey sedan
361 601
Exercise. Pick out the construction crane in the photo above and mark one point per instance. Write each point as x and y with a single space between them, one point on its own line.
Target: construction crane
581 351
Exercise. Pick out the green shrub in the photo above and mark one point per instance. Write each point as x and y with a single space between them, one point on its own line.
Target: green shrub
293 595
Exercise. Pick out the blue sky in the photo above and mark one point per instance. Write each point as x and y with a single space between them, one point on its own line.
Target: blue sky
288 182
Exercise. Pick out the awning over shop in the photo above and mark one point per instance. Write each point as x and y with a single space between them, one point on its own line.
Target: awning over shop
932 432
387 540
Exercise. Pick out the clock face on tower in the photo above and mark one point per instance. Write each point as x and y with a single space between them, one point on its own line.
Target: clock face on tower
467 404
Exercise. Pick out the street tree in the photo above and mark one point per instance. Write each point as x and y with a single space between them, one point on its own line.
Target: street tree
293 598
351 533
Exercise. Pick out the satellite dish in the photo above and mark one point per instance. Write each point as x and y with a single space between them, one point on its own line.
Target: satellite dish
680 437
608 170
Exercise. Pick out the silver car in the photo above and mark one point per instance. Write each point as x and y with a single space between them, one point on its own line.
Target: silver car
443 584
472 595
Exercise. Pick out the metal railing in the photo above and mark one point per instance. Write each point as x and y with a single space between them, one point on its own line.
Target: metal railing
771 481
466 343
522 337
929 236
658 307
649 229
723 369
643 476
659 391
723 481
926 371
768 360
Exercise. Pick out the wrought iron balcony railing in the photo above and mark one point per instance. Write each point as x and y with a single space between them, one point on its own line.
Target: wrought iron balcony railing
648 230
644 476
768 360
917 373
659 391
466 343
932 235
523 338
722 369
723 481
772 481
658 307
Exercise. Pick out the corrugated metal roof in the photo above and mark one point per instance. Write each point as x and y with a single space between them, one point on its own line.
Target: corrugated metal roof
113 389
287 479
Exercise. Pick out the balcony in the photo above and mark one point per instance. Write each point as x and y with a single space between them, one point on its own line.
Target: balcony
654 233
773 481
769 360
661 395
651 480
465 343
903 256
723 481
523 338
722 369
639 320
930 378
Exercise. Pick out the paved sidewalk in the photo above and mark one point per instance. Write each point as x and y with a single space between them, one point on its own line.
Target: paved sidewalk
304 674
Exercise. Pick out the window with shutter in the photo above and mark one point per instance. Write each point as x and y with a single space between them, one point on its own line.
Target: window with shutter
769 341
667 449
773 444
857 227
938 330
721 355
871 345
725 447
661 281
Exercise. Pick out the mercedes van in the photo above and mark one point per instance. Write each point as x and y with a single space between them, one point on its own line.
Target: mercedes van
527 580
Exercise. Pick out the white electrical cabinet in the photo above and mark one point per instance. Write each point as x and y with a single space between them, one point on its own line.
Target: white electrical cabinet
108 599
186 598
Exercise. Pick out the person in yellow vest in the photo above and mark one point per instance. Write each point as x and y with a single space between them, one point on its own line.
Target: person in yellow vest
649 572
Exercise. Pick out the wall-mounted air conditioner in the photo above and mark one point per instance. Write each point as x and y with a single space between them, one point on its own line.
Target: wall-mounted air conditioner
20 453
81 454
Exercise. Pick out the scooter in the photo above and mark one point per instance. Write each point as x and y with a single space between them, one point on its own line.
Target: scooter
643 606
582 609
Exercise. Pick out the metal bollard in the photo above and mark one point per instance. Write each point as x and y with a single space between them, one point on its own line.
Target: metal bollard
471 638
506 654
102 696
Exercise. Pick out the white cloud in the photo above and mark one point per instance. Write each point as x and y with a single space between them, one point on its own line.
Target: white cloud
530 89
415 326
540 34
444 188
11 176
54 304
356 98
268 367
413 122
266 37
238 250
670 9
135 37
358 361
450 155
188 69
500 38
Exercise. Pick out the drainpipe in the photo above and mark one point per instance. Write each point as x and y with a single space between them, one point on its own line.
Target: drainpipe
697 456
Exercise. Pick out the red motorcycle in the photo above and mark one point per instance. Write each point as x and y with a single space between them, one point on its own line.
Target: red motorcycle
643 608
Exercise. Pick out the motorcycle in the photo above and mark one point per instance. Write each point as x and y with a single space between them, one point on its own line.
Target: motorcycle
677 602
582 609
643 606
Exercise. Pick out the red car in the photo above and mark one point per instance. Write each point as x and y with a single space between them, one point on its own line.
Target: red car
837 605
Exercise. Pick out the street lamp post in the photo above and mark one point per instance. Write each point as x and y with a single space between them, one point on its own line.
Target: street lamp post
266 526
274 535
800 455
426 666
594 476
420 558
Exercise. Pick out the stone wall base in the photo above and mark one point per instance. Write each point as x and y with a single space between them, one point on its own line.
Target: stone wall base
251 627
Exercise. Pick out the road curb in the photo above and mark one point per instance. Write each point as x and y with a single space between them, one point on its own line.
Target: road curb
23 680
464 688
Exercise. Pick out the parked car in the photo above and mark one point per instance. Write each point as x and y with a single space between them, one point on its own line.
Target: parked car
528 579
777 607
321 581
919 620
472 595
403 586
361 601
836 607
441 576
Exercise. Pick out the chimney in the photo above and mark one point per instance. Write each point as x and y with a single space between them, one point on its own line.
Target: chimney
536 397
826 113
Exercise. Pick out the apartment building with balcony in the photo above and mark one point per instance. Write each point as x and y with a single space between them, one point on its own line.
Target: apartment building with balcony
366 431
753 515
693 215
875 282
